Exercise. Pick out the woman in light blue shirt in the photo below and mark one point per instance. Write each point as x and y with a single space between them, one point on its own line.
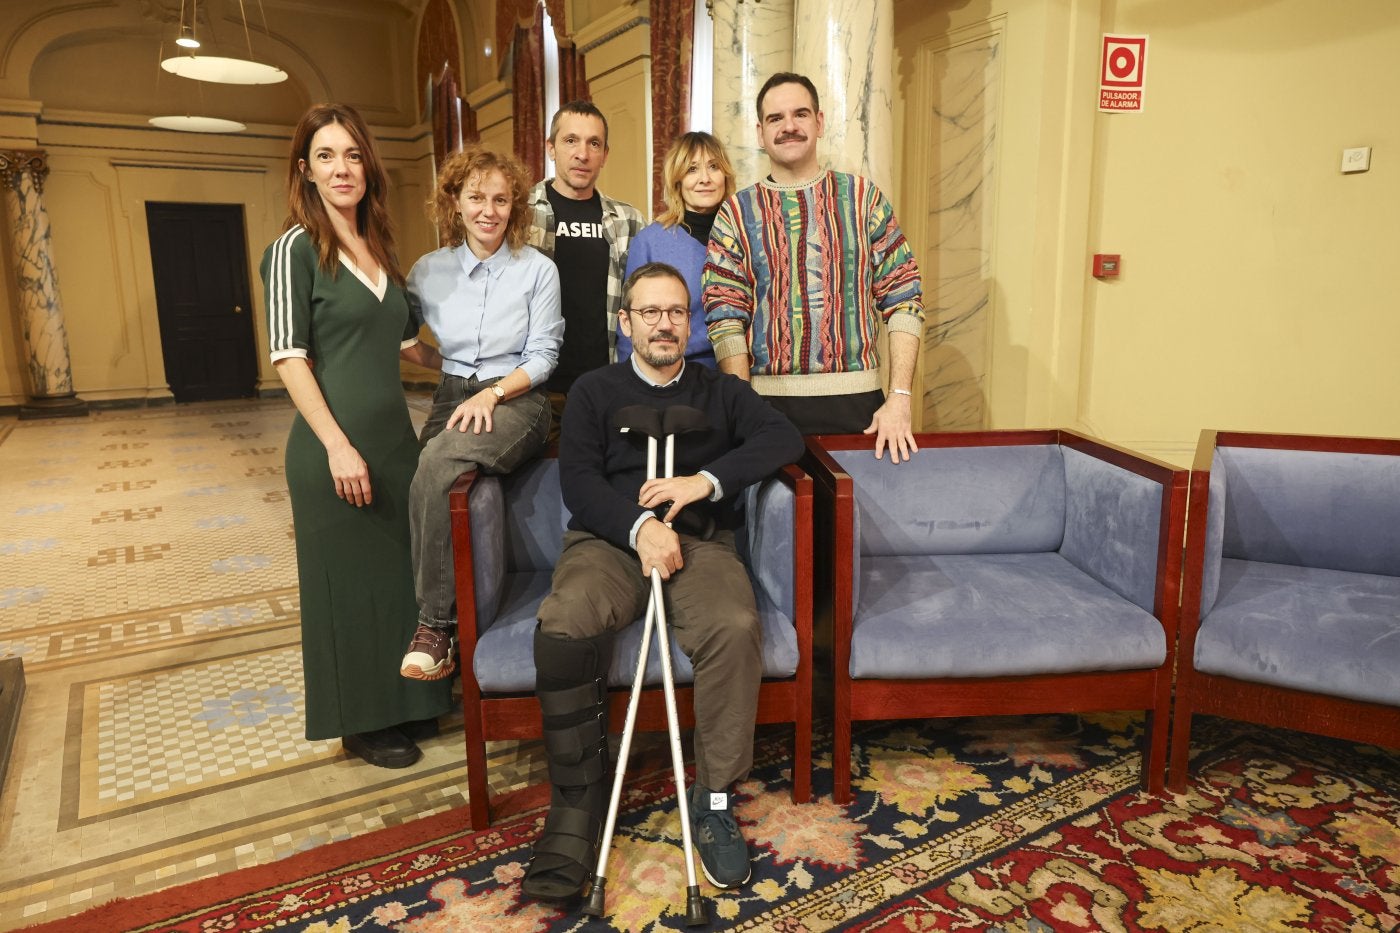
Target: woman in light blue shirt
492 302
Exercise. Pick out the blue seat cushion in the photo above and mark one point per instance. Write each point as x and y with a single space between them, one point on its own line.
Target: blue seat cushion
505 655
994 615
1323 631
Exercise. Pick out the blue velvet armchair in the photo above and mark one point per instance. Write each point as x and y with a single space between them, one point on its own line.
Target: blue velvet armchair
1291 601
507 533
1001 573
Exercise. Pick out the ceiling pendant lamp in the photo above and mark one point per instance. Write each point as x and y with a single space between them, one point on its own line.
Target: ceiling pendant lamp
187 39
189 124
220 69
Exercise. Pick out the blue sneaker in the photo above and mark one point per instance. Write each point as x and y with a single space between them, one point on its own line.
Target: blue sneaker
724 854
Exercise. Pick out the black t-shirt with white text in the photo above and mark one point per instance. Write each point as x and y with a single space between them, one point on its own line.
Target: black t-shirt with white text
581 253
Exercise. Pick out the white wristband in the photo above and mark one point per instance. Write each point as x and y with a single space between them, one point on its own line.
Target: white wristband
902 392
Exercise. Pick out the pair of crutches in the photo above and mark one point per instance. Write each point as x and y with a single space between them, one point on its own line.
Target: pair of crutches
655 424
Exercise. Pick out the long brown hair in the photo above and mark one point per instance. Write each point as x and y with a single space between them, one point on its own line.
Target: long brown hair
689 146
304 204
476 162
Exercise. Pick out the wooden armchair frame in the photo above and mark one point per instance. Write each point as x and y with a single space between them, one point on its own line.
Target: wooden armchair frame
517 716
1229 697
1149 689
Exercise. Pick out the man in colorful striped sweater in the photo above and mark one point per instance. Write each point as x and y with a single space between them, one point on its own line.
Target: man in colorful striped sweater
803 269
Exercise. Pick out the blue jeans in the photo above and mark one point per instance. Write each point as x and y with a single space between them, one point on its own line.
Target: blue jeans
519 429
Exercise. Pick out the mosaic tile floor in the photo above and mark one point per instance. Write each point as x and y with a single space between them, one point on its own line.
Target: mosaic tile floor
148 580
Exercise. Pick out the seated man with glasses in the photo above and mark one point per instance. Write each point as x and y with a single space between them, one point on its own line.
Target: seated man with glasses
619 530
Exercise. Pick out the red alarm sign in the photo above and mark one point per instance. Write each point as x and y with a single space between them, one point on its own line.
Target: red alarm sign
1121 73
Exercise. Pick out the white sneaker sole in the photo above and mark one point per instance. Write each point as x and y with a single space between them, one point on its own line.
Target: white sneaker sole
723 887
419 666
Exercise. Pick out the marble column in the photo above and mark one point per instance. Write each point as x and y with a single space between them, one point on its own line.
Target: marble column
753 39
847 48
958 179
45 339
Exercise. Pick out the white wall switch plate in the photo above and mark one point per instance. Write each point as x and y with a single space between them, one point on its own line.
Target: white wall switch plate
1356 160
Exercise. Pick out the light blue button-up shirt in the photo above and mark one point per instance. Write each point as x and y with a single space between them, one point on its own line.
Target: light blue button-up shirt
490 316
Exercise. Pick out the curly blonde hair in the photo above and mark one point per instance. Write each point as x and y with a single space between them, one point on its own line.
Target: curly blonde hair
475 162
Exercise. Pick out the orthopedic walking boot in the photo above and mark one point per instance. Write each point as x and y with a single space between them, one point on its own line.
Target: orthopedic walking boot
571 681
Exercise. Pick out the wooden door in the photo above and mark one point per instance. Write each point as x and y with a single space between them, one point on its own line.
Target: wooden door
199 256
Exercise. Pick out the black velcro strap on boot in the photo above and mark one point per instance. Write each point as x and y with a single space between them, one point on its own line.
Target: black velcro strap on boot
576 754
571 684
572 744
568 701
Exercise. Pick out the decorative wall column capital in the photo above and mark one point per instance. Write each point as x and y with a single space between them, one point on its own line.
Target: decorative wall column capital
14 163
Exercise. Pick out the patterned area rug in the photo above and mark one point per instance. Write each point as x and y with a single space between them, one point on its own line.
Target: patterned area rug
1006 824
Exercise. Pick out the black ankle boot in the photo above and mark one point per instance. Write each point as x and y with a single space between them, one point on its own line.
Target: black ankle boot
571 683
383 748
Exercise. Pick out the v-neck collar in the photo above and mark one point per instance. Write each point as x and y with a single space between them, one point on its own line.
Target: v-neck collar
378 288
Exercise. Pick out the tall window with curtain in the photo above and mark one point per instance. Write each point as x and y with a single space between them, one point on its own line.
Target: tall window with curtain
452 119
702 71
546 70
672 38
527 57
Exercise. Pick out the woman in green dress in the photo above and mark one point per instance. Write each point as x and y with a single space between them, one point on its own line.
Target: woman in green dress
337 319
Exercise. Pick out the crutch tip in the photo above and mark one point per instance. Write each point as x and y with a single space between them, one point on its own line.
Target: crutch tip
593 906
695 908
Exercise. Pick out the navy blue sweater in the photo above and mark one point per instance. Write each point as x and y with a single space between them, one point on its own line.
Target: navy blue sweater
602 469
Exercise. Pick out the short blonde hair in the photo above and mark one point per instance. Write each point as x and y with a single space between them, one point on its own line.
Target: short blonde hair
461 167
687 147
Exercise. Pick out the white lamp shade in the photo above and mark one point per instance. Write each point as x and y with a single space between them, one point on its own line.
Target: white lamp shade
223 70
198 124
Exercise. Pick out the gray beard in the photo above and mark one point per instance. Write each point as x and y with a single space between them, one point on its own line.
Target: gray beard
653 355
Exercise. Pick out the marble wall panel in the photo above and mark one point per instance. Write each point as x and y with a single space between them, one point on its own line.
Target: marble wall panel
751 41
957 111
847 48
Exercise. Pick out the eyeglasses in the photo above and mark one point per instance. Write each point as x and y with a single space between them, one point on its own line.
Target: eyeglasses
652 315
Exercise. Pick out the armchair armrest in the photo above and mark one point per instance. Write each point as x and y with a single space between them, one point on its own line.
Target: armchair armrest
780 508
477 508
1124 515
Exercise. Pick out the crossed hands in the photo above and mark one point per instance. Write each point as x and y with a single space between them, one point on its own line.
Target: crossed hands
659 547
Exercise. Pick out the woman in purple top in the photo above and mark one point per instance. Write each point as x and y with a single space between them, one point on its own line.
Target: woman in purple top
697 179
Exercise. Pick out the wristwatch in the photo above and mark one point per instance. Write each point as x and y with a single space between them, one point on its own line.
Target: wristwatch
497 391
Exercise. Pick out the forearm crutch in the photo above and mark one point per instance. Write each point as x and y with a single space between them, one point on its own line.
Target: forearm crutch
652 423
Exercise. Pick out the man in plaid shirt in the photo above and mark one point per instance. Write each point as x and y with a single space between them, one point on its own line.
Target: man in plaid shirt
587 235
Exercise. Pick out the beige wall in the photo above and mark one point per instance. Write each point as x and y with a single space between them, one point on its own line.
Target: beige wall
1255 291
1258 282
617 59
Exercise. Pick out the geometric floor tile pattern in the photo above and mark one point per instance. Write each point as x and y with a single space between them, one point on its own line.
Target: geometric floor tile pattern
183 730
148 580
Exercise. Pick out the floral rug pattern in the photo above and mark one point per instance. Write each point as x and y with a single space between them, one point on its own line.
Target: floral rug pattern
1031 824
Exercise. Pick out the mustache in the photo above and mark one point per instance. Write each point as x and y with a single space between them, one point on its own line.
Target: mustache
791 138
